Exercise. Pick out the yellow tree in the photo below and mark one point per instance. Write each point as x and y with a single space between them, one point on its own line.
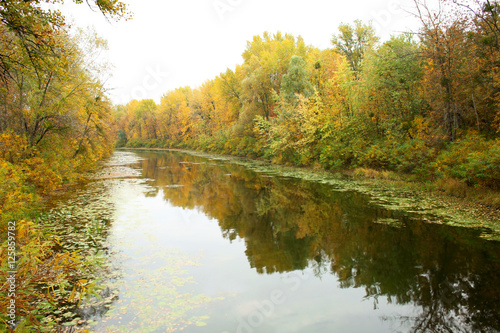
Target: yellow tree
31 28
175 114
228 94
266 60
203 109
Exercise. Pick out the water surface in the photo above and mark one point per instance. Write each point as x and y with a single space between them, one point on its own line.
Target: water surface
206 245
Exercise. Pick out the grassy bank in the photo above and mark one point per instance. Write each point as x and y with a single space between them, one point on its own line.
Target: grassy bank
449 187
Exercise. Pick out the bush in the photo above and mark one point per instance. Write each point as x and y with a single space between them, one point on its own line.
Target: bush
472 160
329 157
378 156
16 194
135 143
414 156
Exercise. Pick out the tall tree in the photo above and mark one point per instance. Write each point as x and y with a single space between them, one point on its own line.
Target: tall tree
266 61
393 78
484 63
296 81
353 41
451 68
229 91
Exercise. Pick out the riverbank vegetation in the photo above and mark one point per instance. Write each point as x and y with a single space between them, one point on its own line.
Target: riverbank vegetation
424 105
53 127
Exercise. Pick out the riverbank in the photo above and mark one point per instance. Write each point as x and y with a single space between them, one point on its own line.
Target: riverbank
438 202
50 276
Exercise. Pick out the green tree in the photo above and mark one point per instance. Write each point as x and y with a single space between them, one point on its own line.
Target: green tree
296 81
393 84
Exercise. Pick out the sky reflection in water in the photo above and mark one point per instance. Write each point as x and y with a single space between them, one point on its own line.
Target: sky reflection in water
210 246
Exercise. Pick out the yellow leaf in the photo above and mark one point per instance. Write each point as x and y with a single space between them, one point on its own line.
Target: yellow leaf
72 296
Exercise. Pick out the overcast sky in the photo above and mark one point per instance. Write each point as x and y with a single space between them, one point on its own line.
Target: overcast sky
169 44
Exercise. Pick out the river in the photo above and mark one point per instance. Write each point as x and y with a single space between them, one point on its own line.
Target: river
204 244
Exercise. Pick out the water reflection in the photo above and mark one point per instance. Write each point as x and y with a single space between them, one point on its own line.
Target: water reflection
449 274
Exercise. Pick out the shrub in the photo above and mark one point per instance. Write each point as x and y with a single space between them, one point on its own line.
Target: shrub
16 195
414 156
472 160
378 155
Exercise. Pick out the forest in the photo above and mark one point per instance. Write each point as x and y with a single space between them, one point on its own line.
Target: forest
423 105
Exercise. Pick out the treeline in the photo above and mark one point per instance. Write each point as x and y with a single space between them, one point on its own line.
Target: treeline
423 103
54 125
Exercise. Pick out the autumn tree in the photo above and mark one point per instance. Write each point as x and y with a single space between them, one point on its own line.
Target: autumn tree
353 41
459 89
228 93
44 77
175 114
483 54
266 60
33 26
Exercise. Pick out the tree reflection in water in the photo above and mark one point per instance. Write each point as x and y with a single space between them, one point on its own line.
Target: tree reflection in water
289 224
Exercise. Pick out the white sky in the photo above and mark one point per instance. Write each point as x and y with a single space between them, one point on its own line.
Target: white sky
169 44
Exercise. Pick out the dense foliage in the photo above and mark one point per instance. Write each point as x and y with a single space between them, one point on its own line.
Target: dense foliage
54 125
424 104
